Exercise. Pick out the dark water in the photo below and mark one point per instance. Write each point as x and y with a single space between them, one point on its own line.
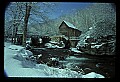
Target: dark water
104 65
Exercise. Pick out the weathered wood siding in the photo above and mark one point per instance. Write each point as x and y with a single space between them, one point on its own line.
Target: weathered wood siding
68 31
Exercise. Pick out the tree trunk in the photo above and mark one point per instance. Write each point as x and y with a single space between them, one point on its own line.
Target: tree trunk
28 8
14 30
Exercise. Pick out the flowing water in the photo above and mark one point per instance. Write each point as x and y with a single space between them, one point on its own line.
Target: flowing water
104 65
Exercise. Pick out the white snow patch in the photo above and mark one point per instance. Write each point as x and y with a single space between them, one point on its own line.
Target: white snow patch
53 59
92 75
97 46
55 45
25 53
90 28
66 37
14 47
40 55
40 40
53 42
93 43
75 50
49 45
70 25
28 41
87 37
75 58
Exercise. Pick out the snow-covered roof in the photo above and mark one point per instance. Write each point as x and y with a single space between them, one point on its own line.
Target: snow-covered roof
70 25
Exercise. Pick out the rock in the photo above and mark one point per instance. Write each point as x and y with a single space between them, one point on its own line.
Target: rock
53 62
87 70
61 58
90 40
93 75
45 39
28 47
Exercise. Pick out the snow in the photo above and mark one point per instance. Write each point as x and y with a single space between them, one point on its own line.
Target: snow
55 45
14 47
40 40
53 59
49 45
75 50
26 68
87 37
65 37
53 42
70 25
40 55
75 58
28 41
93 43
16 65
90 28
84 36
97 46
92 75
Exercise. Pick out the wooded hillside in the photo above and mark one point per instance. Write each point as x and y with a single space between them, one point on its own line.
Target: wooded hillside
82 19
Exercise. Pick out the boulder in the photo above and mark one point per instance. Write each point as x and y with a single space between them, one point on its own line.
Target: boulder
93 75
53 62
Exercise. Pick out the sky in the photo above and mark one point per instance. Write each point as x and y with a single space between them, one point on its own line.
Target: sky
62 8
67 7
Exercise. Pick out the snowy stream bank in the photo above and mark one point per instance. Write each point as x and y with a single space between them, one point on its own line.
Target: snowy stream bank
25 68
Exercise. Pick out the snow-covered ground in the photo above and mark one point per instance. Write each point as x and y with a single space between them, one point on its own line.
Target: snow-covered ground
20 67
75 50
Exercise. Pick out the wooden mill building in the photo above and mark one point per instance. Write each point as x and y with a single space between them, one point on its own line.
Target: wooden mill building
70 31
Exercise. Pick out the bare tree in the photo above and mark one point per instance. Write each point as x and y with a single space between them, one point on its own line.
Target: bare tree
27 14
13 18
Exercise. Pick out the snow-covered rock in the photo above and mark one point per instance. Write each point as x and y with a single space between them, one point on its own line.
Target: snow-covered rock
38 56
58 73
53 42
24 52
48 45
87 37
75 58
53 59
92 75
97 46
90 28
55 45
75 50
